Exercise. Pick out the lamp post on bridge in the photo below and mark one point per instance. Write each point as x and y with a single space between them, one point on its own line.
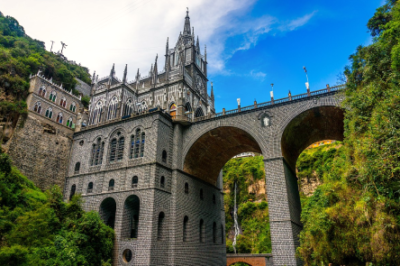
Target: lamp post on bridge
272 93
307 83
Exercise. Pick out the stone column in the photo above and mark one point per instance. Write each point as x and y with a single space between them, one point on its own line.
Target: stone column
284 211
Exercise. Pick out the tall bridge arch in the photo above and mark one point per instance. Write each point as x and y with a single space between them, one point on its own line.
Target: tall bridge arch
280 131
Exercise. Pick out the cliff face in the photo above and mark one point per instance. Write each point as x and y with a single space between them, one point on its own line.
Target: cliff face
40 150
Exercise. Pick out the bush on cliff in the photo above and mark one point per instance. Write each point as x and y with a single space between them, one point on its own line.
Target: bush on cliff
39 228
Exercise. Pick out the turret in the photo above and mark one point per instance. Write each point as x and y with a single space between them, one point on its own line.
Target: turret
125 73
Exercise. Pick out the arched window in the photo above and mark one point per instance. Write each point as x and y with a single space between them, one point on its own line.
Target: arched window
214 199
160 231
38 107
72 107
96 113
199 112
60 118
185 225
97 152
201 231
162 182
77 167
164 156
172 110
130 217
69 122
90 187
135 180
214 233
112 108
121 144
142 144
42 92
113 149
53 96
186 188
128 108
188 107
201 194
222 235
49 112
63 102
111 185
72 193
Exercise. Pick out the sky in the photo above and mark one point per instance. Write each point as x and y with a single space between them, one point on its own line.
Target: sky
250 43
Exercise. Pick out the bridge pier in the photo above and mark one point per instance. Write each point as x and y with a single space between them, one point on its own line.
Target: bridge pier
284 211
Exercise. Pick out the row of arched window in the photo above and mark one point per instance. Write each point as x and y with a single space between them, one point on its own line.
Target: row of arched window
53 97
111 184
214 199
49 113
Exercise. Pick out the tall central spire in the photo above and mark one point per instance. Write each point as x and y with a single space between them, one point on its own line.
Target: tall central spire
186 28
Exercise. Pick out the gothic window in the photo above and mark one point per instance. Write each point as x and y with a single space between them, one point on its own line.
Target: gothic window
42 92
186 188
137 143
38 107
121 144
112 108
188 107
128 109
132 147
49 112
214 200
63 102
201 231
164 156
214 233
77 167
90 187
113 149
111 185
60 118
69 122
96 113
135 180
160 231
185 225
199 112
97 152
72 107
162 182
53 96
142 144
72 193
142 107
201 194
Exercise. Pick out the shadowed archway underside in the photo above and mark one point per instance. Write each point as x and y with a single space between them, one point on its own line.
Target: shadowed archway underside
316 124
212 150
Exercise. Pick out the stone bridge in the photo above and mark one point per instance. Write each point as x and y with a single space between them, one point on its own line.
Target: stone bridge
250 259
279 130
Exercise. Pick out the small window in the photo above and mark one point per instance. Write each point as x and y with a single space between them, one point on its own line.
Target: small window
164 156
73 189
90 187
49 113
186 188
111 185
222 235
185 224
127 255
201 194
135 180
160 231
77 167
214 233
162 182
214 200
201 231
37 108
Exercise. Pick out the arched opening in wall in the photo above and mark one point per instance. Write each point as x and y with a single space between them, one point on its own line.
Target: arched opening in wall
107 211
164 156
162 182
130 217
237 153
72 193
185 226
160 226
310 141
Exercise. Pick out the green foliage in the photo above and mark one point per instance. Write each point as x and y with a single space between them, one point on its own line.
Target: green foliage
354 217
21 56
253 216
38 228
85 101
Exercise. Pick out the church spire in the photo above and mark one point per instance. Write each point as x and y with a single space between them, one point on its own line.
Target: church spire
186 28
125 73
167 47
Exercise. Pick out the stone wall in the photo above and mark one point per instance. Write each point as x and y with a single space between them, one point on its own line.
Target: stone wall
40 149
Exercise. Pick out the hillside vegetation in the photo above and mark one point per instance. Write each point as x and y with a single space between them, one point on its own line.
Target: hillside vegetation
252 207
21 56
40 229
354 216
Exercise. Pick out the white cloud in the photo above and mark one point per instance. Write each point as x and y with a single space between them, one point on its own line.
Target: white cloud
296 23
99 33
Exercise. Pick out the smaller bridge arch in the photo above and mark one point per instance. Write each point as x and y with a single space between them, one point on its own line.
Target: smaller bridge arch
250 259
